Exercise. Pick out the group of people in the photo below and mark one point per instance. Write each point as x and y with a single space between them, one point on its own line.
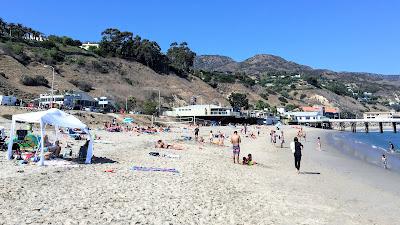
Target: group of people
274 137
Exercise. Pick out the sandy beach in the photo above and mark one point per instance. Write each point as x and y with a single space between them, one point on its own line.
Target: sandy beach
208 188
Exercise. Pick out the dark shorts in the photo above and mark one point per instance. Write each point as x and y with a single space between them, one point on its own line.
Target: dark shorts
236 149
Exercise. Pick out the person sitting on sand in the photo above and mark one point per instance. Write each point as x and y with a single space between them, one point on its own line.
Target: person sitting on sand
250 161
161 144
55 149
245 162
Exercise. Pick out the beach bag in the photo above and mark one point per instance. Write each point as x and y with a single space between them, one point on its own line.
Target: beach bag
292 146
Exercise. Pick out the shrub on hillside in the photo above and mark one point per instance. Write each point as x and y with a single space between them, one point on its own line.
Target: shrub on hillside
82 85
99 67
303 96
3 75
283 99
34 81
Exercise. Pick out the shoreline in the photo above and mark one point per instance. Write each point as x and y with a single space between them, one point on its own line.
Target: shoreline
348 163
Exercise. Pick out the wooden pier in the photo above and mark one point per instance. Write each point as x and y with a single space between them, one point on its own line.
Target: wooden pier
352 123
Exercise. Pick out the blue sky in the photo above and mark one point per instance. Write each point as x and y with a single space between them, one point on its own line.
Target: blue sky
342 35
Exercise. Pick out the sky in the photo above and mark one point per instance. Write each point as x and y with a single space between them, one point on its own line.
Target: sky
341 35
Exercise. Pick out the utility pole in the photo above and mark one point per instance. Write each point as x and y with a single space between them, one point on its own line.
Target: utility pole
126 104
52 86
159 103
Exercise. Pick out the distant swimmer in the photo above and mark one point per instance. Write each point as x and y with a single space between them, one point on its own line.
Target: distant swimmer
391 147
235 140
384 161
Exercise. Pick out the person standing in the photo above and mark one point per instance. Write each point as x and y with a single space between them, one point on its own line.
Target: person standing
319 143
282 139
391 147
235 140
384 161
196 132
297 153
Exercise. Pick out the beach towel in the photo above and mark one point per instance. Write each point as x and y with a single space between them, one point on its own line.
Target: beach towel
140 168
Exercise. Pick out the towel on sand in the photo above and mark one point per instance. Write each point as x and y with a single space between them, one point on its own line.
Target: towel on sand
140 168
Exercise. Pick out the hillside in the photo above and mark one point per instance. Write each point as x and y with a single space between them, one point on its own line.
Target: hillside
124 66
120 79
345 90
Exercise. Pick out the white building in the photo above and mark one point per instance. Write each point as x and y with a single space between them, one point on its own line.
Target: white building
381 115
201 111
45 100
87 45
7 100
68 100
103 101
305 117
281 110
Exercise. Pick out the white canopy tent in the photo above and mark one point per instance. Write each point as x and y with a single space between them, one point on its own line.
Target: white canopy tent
54 117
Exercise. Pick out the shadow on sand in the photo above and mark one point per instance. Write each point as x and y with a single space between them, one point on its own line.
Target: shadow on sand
311 173
95 160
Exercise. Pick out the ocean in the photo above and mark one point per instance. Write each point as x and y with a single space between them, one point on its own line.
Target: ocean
369 147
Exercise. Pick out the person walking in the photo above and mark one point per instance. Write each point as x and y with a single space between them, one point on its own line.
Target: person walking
196 132
235 140
296 149
282 139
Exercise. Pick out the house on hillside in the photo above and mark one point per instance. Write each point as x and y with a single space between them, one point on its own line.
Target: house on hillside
87 45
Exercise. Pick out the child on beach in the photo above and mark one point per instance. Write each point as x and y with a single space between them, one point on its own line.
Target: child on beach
244 162
250 161
384 161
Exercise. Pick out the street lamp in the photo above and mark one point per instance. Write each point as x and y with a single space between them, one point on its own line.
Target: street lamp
52 85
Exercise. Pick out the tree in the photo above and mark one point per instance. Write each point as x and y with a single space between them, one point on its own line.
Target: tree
260 105
131 102
313 81
149 107
238 100
290 107
180 56
115 43
3 26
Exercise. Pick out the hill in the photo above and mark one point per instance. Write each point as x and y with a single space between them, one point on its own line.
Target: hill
128 67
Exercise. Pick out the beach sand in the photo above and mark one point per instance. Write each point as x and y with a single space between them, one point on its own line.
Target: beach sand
209 188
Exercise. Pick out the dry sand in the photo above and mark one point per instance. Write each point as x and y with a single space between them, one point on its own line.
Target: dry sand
209 188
